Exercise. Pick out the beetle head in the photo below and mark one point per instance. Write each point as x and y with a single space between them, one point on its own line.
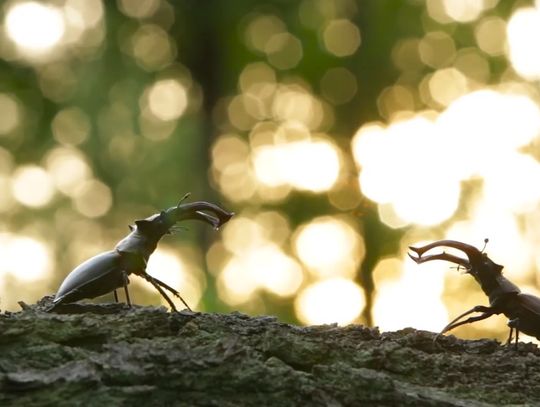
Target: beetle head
477 263
203 211
161 223
154 224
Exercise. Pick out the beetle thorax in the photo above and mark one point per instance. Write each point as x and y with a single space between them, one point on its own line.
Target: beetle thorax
139 243
493 283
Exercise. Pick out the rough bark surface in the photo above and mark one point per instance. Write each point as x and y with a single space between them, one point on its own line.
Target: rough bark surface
111 355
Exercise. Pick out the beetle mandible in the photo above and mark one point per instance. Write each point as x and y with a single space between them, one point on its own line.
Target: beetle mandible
522 310
109 271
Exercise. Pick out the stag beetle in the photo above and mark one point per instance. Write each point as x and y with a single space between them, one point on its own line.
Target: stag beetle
109 271
522 310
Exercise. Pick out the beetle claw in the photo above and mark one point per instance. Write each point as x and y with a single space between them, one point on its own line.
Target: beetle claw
470 251
418 250
415 259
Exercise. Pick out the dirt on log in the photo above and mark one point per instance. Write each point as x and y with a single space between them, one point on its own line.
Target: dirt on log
97 355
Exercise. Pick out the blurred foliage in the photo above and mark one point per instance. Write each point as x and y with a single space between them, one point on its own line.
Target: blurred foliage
253 104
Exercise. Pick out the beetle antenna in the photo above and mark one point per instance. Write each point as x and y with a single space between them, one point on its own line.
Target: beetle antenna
186 196
486 240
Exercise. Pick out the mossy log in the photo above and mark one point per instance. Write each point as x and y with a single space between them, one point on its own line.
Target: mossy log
112 355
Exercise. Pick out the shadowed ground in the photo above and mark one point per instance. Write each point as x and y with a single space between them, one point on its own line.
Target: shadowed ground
113 355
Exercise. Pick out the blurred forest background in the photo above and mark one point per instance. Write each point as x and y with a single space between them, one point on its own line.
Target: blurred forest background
339 131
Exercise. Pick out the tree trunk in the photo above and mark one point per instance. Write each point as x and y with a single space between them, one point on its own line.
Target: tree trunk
112 355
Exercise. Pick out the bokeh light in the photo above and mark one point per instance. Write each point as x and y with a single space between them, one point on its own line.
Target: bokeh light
26 261
523 30
256 259
68 169
426 188
167 266
152 48
463 10
490 35
17 261
473 65
167 99
32 186
437 49
138 8
341 37
423 187
337 142
284 51
34 27
262 267
71 126
329 247
92 198
415 296
446 85
312 166
261 29
336 300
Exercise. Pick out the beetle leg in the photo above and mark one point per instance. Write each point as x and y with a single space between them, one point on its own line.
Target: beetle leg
126 282
158 284
513 324
115 296
167 287
163 293
486 313
509 340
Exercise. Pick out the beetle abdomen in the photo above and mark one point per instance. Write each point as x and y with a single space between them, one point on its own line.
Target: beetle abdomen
97 276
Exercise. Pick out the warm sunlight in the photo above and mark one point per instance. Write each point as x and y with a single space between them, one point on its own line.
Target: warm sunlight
35 27
336 300
329 247
417 164
523 31
166 265
414 298
32 186
15 252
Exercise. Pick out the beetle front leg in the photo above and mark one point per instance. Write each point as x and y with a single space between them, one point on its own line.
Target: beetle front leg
486 313
172 290
159 285
163 293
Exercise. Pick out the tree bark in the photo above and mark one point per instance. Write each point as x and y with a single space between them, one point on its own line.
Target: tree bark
109 354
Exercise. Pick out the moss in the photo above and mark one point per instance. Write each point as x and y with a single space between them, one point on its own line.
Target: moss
113 355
